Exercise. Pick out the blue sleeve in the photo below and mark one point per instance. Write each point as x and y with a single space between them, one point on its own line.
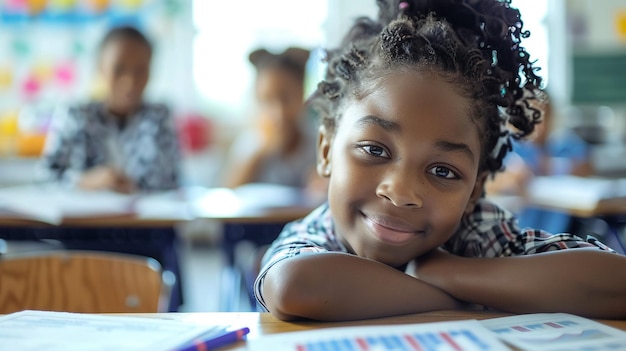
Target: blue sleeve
568 145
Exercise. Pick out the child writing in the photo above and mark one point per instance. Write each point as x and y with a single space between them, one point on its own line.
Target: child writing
121 144
414 108
280 150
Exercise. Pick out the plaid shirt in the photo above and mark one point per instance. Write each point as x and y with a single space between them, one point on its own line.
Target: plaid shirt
488 232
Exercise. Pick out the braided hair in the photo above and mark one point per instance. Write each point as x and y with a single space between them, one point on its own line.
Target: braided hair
473 44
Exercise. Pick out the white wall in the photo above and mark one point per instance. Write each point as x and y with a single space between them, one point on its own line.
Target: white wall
341 15
598 21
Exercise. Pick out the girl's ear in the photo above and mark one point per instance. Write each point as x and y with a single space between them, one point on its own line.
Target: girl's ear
477 193
324 140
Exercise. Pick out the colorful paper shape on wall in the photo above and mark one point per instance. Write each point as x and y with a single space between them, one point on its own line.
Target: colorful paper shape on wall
65 74
42 72
94 6
16 6
131 5
6 78
620 24
31 88
61 5
35 7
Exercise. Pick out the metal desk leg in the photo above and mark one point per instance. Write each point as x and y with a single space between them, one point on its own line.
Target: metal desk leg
236 281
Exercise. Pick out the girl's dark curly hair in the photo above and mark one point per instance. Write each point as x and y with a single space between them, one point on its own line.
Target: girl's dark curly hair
473 44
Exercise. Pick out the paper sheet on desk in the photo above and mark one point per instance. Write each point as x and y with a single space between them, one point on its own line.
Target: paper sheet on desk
556 332
167 204
574 192
247 198
59 331
25 208
466 335
50 203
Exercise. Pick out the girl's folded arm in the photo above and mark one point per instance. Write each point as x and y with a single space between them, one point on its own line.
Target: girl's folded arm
586 282
337 286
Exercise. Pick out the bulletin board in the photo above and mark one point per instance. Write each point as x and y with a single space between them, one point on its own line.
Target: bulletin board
48 54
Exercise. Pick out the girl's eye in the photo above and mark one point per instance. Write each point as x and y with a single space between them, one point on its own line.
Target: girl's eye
375 150
443 172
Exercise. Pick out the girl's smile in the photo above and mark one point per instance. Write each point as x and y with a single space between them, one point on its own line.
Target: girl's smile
404 162
392 231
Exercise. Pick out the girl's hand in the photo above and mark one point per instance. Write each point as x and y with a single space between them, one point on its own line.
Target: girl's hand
106 178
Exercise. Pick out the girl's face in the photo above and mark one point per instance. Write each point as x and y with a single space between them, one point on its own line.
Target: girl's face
280 95
125 67
403 166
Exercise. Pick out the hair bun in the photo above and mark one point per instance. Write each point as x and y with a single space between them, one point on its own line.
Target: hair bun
258 56
295 55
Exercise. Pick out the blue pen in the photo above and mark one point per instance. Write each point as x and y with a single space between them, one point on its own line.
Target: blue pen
214 342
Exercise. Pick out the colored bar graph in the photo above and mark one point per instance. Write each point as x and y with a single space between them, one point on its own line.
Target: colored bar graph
456 340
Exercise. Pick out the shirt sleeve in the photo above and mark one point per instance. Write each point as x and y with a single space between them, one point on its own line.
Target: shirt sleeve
491 231
307 236
61 160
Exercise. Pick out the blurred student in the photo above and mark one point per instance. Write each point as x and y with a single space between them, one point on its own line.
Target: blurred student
281 148
121 143
548 151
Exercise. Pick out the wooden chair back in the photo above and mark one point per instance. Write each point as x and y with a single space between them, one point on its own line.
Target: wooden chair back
79 281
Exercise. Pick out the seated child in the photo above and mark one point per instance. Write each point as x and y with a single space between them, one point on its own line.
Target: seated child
121 144
280 149
414 112
547 151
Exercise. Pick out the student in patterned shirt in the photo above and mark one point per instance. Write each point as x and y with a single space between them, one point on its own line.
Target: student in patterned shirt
122 143
414 112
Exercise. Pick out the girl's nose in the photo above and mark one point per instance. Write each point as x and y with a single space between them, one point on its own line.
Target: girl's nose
402 189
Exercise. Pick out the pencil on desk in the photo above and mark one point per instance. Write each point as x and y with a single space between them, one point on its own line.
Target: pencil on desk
212 343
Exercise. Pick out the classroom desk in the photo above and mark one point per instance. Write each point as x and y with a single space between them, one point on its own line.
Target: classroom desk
261 324
154 234
259 228
581 198
612 211
606 207
156 238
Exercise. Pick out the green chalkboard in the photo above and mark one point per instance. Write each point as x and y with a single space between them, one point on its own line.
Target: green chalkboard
599 78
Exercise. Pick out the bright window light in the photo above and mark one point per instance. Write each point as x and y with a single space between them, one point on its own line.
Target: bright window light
228 31
534 15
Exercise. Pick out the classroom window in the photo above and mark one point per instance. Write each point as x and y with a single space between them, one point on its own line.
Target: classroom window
534 14
228 31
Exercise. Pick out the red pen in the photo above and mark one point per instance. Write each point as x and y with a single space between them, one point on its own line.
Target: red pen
214 342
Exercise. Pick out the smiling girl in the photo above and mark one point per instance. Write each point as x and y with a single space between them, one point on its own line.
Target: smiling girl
414 113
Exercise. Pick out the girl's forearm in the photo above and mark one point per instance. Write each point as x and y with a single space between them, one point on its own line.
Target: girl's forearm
334 286
585 282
